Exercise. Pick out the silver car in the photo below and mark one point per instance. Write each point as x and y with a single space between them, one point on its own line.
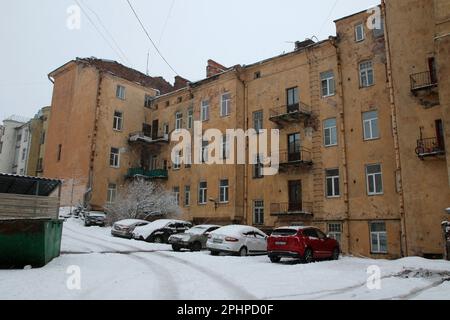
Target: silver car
193 239
125 228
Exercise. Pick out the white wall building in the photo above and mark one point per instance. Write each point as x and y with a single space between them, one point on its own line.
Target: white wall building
14 145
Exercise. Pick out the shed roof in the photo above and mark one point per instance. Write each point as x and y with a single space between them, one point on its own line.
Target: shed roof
16 184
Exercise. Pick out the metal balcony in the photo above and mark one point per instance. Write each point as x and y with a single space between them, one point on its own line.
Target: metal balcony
290 113
141 137
147 174
430 147
302 158
291 209
422 81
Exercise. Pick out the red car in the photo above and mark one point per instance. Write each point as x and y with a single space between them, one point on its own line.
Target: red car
304 243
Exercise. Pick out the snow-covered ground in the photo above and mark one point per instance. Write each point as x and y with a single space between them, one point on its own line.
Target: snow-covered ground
112 268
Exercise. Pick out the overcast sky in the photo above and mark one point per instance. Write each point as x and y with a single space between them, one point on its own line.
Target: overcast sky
35 38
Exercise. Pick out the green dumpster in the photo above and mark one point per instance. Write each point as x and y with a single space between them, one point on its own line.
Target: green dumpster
33 242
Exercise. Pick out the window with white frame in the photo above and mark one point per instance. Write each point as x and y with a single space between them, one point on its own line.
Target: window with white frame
330 132
120 92
366 74
203 192
177 163
205 110
378 237
178 120
112 193
187 196
118 121
148 103
224 191
204 154
114 159
328 84
258 212
258 167
374 179
190 123
370 123
225 106
335 231
332 183
225 147
24 154
359 32
258 120
166 128
176 193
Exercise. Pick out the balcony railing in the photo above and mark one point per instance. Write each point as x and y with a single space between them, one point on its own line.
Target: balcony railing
147 174
290 113
291 208
430 147
141 137
299 158
423 80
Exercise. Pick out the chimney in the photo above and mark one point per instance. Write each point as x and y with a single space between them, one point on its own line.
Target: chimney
214 68
180 83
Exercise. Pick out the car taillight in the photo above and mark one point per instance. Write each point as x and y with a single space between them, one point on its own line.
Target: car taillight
230 239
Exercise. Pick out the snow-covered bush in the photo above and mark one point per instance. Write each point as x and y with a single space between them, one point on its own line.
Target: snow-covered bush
142 199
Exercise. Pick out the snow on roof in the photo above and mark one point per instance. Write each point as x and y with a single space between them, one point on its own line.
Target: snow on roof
297 228
129 222
234 230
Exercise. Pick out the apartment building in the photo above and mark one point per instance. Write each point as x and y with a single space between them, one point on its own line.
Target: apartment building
15 143
38 128
96 104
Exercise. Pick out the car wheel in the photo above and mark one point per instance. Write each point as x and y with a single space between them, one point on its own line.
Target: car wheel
214 253
308 256
176 248
275 259
196 246
335 255
243 252
158 239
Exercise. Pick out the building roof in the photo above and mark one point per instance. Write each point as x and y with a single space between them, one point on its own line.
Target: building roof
24 185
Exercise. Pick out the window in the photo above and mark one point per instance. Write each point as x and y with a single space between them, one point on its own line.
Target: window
223 191
178 121
374 180
225 105
176 193
25 135
19 138
205 145
42 137
332 183
328 84
257 75
1 146
120 92
294 147
166 128
179 99
205 110
330 132
112 193
203 193
378 237
258 212
114 158
359 32
148 102
335 231
177 163
292 96
59 152
118 121
370 123
187 196
378 32
225 148
24 153
258 120
190 123
39 166
366 74
258 167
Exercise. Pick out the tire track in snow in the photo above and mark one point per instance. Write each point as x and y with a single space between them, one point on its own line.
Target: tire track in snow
415 292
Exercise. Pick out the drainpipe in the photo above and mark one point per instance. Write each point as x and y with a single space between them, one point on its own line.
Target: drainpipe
403 242
343 143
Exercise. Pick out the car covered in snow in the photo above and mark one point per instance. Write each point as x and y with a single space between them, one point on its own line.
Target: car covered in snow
125 228
94 218
237 239
159 231
193 239
304 243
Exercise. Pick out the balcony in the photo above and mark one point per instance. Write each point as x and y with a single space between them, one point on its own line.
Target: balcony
430 147
290 114
422 81
147 174
141 137
291 209
296 159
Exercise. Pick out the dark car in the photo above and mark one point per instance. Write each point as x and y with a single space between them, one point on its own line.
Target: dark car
94 218
159 231
193 239
304 243
125 228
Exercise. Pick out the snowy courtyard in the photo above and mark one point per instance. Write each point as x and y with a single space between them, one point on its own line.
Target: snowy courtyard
113 268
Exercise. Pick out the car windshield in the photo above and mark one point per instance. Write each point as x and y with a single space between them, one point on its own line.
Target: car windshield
284 232
197 230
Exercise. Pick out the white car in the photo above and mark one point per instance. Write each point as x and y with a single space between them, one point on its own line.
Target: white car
159 231
237 239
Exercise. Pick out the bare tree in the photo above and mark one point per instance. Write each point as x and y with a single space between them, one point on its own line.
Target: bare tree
141 199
